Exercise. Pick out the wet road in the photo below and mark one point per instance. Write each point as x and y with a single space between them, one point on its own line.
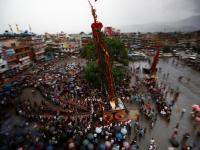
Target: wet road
189 94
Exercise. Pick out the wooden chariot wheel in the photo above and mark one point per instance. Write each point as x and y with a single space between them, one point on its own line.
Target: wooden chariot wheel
108 116
120 115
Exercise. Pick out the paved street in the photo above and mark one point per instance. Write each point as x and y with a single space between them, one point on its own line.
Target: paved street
189 94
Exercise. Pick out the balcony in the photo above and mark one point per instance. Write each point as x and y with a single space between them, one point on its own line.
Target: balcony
23 52
11 59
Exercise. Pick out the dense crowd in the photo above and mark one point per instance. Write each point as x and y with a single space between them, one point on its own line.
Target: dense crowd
73 115
70 116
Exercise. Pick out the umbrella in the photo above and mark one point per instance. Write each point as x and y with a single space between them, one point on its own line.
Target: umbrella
195 106
98 130
108 144
49 147
7 87
90 136
71 145
119 136
52 128
85 142
123 131
129 121
198 109
126 144
115 148
174 142
197 119
117 128
90 146
20 148
102 147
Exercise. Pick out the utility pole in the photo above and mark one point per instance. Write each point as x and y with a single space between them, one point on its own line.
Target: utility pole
11 30
17 28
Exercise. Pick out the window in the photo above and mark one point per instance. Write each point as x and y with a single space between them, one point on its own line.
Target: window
3 66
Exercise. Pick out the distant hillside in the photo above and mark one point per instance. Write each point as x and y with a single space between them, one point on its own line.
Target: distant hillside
185 25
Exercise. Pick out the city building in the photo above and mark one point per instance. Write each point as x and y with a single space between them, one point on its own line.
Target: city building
85 39
110 31
23 55
38 47
17 52
3 61
9 53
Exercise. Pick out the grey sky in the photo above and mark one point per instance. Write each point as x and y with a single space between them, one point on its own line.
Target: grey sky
74 15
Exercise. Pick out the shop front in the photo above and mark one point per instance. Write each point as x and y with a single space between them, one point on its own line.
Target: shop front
24 62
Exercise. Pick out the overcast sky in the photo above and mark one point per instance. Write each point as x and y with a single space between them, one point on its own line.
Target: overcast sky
73 16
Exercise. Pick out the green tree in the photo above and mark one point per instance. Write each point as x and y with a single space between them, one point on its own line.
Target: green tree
117 50
89 52
118 75
118 54
115 47
93 74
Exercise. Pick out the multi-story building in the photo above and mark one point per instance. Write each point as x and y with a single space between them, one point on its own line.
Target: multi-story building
130 41
75 39
9 53
110 31
18 52
11 60
167 39
23 55
36 44
3 61
78 41
3 64
38 47
84 39
150 39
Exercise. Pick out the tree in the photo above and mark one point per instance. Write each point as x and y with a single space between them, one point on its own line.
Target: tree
115 47
118 53
89 52
118 75
92 74
117 50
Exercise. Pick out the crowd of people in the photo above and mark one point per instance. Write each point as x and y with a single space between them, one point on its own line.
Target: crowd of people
69 116
160 99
